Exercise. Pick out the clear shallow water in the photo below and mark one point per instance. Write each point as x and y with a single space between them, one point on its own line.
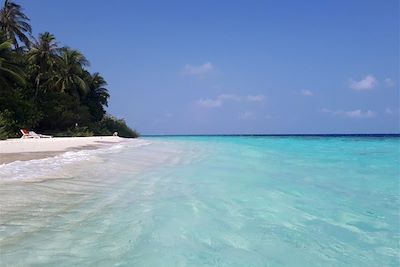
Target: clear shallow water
206 201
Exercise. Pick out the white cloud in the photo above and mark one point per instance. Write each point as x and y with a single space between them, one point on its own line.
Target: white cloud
229 97
389 111
223 98
247 115
209 103
307 93
357 113
198 70
367 83
389 82
255 98
217 102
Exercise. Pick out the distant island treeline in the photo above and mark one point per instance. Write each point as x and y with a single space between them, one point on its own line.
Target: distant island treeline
46 87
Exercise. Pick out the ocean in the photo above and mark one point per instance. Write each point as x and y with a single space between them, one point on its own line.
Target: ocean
207 201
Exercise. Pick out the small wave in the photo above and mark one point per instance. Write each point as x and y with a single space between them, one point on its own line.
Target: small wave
58 166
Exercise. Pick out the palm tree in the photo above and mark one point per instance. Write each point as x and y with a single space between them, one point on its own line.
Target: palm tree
97 96
15 24
97 89
10 72
69 76
42 57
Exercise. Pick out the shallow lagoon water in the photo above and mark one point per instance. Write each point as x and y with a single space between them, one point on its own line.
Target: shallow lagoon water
206 201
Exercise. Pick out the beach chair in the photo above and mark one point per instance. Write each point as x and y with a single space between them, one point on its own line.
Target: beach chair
25 134
32 134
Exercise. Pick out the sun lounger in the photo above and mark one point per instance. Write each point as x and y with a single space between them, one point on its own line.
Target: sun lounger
32 134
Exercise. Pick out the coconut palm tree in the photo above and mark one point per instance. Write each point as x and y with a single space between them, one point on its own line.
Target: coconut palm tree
69 72
97 88
42 57
15 24
10 72
97 96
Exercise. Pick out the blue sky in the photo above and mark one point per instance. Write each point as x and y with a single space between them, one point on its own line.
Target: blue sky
213 67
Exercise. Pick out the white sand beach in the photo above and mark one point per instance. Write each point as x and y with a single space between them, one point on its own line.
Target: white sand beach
26 149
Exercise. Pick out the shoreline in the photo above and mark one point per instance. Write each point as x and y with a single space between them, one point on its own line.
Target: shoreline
29 149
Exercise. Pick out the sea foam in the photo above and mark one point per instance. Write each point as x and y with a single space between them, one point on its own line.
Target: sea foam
57 166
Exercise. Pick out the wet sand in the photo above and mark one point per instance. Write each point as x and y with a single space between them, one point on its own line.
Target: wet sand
29 149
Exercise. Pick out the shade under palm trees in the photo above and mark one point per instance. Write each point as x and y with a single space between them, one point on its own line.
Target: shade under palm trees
15 24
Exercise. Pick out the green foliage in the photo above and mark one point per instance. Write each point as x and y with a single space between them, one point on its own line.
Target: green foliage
23 110
7 124
109 125
15 24
10 70
48 88
75 132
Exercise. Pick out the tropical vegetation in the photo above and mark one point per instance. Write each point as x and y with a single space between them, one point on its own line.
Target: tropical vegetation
47 87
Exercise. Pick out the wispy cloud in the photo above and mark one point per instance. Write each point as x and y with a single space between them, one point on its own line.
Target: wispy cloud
210 103
356 114
367 83
389 83
198 70
306 93
255 98
229 97
223 98
388 111
247 115
392 111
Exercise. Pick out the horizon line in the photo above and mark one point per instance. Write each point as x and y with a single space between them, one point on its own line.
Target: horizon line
258 134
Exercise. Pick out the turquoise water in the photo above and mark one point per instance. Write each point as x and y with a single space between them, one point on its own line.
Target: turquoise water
206 201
